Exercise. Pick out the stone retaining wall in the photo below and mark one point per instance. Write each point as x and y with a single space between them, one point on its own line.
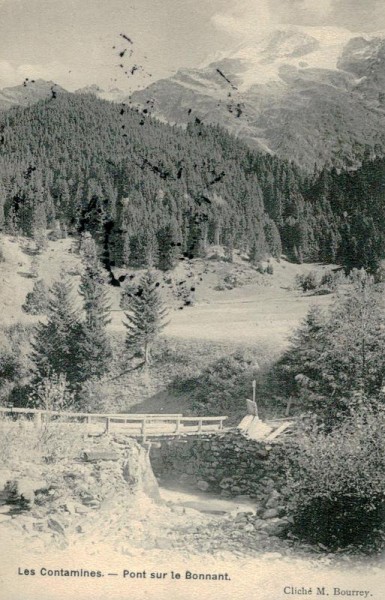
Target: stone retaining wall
229 463
233 466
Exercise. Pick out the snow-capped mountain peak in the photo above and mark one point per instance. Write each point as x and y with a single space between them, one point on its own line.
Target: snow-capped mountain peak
298 47
310 94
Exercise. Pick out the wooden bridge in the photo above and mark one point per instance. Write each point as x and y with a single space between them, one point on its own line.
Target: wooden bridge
141 426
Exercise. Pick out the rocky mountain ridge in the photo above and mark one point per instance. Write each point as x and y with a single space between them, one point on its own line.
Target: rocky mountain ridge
312 95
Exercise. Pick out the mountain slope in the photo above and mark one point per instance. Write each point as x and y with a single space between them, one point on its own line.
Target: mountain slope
29 92
112 94
78 164
312 95
89 165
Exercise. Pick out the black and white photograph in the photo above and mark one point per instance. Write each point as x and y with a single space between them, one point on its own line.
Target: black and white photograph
192 299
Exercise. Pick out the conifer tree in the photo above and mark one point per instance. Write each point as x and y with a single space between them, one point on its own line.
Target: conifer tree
256 252
95 344
36 302
168 247
126 249
332 359
87 248
56 344
144 249
228 247
301 365
150 248
273 239
146 317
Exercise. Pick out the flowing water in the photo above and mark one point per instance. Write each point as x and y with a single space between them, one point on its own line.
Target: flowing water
205 502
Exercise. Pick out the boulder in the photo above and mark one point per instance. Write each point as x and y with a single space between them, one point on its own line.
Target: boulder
98 456
259 524
276 527
270 513
203 485
55 526
272 502
82 510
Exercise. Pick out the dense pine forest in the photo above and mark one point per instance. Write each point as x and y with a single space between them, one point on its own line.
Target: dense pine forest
75 163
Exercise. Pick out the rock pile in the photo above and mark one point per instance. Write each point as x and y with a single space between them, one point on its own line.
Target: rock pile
58 502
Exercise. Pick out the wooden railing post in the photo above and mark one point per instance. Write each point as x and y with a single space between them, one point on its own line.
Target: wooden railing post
177 430
107 424
37 420
144 430
200 423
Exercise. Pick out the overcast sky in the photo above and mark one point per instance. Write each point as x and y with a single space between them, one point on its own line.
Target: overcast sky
71 41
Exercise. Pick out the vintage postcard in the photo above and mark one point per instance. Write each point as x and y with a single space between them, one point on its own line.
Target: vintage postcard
192 278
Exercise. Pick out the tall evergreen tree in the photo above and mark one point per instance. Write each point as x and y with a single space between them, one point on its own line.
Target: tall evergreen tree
126 248
144 249
87 248
56 344
256 251
95 344
273 238
146 317
168 247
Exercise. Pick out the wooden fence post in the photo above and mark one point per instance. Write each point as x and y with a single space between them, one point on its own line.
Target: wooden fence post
37 420
144 430
200 426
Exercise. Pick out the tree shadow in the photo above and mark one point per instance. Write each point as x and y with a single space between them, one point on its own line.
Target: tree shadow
26 275
30 251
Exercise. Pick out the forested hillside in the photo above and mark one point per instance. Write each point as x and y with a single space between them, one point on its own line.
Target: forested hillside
355 202
75 163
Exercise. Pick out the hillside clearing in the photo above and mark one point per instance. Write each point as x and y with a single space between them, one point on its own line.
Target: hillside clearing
264 309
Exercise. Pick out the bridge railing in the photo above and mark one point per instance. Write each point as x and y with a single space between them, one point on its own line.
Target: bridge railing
136 425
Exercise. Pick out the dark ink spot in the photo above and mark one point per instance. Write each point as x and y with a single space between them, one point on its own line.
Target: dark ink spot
226 79
125 37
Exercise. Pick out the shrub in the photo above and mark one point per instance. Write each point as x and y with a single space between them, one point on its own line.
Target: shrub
335 482
15 365
34 272
333 279
54 441
308 282
53 393
270 269
224 385
36 302
230 280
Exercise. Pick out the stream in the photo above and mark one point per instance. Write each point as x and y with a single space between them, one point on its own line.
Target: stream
205 502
